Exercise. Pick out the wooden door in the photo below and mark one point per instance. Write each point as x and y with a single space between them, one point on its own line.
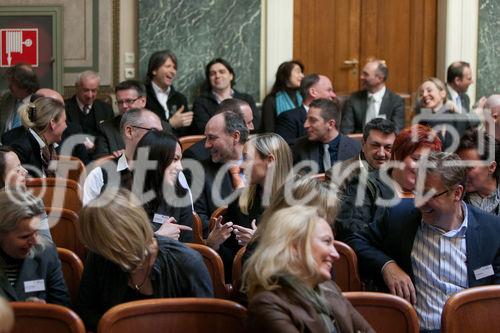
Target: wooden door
336 38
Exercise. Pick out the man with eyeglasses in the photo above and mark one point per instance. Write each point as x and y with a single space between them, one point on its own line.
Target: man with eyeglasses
439 248
135 123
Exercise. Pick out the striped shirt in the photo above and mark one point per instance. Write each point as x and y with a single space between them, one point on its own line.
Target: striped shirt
439 266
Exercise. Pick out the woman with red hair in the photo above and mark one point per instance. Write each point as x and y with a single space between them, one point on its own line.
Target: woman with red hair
388 187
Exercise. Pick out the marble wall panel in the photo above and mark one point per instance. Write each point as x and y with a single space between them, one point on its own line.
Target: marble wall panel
200 30
488 54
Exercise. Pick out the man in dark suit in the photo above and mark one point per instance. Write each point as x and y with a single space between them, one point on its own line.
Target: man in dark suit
226 134
427 254
375 100
130 94
458 80
290 124
84 109
168 104
323 144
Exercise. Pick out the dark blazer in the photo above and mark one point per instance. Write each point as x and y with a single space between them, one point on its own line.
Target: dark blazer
110 138
26 148
197 152
205 106
392 239
353 115
305 150
102 111
183 216
175 99
45 265
290 124
204 204
282 310
464 99
7 105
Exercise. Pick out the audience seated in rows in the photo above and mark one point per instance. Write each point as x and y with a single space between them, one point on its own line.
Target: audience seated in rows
395 185
323 145
218 86
285 94
168 104
375 100
127 261
290 124
288 278
267 162
31 270
435 249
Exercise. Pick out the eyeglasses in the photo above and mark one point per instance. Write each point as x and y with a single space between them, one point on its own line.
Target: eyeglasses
439 194
127 101
144 128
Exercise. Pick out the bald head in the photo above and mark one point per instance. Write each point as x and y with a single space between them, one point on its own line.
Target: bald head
46 92
493 102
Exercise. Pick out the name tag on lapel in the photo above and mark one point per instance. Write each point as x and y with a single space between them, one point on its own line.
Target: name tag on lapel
483 272
34 285
159 218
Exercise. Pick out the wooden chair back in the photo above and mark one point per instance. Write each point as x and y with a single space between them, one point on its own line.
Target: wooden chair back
356 136
71 167
65 230
197 229
346 268
215 268
472 310
42 318
385 312
189 140
57 192
72 268
173 315
221 211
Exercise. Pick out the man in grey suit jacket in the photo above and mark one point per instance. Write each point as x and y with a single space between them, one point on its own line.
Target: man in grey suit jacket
374 101
323 145
458 80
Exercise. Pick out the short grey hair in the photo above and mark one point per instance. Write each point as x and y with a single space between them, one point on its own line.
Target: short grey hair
133 117
86 75
449 167
234 122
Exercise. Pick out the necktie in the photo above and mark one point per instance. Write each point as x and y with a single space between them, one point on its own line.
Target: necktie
327 163
86 109
371 112
236 180
48 154
459 104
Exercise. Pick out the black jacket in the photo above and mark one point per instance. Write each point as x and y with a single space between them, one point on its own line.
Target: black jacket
177 272
290 124
101 110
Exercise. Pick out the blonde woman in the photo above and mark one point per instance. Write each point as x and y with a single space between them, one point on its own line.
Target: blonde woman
44 122
30 269
267 162
128 262
436 111
288 278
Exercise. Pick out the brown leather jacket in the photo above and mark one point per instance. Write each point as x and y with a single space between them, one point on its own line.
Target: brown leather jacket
282 311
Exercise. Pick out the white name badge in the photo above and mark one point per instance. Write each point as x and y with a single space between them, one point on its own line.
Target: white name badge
34 285
483 272
159 218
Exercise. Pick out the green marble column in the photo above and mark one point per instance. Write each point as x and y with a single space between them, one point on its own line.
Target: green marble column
200 30
488 54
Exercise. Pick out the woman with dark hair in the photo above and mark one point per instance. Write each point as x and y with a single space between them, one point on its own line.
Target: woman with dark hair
218 86
170 214
395 185
44 122
482 186
285 94
169 104
12 173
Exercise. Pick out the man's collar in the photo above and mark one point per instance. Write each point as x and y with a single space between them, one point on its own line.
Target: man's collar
159 90
378 95
81 105
122 163
453 92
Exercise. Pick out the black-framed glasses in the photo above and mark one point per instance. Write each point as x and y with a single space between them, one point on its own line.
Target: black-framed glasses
439 194
144 128
127 101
